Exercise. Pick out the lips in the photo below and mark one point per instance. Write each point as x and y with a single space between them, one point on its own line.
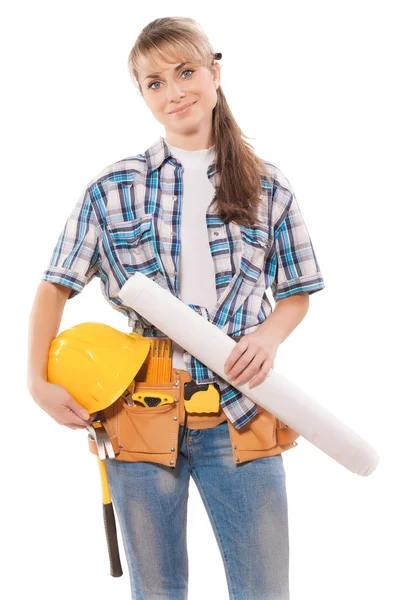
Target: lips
181 108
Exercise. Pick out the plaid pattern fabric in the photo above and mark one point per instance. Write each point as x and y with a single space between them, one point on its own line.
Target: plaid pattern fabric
127 219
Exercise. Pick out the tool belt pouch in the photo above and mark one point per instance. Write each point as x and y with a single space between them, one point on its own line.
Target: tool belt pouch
143 433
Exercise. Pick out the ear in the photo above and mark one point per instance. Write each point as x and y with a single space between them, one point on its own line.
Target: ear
217 74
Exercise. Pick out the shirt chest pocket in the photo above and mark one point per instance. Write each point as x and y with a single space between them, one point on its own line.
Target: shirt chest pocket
256 246
132 244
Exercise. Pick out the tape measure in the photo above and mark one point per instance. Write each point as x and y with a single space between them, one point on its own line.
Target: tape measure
201 397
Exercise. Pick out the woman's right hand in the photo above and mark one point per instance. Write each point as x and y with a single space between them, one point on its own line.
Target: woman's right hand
61 406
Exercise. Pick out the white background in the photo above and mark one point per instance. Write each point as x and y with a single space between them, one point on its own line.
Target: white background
315 87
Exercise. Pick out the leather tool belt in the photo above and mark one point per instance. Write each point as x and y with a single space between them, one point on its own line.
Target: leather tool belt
143 424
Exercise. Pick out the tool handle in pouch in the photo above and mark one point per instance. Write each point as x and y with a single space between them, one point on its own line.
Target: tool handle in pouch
201 398
151 398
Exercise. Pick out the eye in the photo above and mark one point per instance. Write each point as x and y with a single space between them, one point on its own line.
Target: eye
150 86
186 70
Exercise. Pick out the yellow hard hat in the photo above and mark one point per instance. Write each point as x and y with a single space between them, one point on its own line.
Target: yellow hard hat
95 363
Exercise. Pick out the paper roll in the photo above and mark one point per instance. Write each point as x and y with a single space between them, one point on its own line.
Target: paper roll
276 394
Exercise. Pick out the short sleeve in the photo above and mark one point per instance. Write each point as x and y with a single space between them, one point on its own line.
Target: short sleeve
75 258
297 267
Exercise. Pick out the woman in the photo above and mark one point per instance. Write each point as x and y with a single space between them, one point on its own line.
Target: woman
203 216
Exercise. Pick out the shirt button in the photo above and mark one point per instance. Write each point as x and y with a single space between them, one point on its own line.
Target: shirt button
174 198
173 234
175 273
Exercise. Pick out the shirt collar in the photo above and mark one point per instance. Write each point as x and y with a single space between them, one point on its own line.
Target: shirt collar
159 152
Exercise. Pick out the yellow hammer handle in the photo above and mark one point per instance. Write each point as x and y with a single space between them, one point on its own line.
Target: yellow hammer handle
109 522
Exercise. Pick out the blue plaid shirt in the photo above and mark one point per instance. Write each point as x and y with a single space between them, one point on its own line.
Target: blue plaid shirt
127 219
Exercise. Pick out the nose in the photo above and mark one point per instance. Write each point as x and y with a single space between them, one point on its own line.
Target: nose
175 92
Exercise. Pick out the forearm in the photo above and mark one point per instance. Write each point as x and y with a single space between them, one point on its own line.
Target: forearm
45 318
285 317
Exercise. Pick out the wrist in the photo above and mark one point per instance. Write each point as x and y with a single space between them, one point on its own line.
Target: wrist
36 383
272 333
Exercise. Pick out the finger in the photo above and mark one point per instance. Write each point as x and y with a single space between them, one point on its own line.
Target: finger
245 360
74 425
71 418
260 377
236 353
77 409
250 371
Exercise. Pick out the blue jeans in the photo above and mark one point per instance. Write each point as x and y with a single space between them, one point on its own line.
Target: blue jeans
246 504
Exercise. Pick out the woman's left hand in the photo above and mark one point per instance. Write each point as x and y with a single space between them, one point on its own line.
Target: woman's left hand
251 359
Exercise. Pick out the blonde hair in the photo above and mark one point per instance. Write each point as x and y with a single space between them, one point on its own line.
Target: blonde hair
180 39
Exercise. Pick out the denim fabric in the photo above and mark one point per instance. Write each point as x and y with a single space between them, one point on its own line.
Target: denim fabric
246 504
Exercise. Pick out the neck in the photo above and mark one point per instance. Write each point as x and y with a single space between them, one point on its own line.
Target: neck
199 141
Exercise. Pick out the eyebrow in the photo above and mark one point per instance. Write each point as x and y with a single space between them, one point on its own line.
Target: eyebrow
158 74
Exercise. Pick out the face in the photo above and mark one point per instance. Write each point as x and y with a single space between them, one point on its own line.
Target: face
175 85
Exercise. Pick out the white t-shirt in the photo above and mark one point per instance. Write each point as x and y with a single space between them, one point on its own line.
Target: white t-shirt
196 274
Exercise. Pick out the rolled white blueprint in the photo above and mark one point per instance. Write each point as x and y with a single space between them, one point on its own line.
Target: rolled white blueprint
276 394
